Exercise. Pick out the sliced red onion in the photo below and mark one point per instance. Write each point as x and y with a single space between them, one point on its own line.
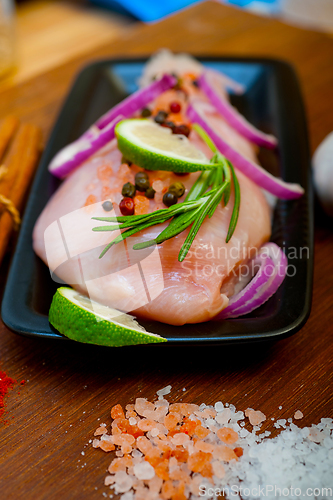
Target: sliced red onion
273 268
137 100
197 112
99 134
77 152
211 85
225 82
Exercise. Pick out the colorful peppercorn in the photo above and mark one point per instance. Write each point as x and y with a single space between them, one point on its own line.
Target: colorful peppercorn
150 193
170 199
142 181
107 206
128 190
169 124
126 206
182 130
175 107
177 188
145 112
161 117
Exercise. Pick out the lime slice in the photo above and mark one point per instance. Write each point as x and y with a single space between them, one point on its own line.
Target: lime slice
154 147
85 320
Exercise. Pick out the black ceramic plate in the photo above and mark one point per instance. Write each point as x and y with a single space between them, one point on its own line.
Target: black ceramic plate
272 102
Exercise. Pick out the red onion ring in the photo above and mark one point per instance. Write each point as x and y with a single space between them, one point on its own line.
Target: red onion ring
274 185
102 132
77 152
210 84
262 286
137 100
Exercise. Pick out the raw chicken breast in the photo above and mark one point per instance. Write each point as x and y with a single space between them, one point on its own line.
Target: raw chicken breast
151 282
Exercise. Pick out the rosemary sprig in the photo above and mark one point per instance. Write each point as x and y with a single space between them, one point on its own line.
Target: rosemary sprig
211 187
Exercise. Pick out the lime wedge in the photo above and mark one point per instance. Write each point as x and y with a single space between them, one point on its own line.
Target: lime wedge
154 147
85 320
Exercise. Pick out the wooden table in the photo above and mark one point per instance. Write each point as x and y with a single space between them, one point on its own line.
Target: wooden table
69 386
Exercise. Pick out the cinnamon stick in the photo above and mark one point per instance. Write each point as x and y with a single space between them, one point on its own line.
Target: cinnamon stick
22 161
8 127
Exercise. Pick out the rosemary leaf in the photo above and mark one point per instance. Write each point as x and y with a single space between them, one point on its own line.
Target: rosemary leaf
235 211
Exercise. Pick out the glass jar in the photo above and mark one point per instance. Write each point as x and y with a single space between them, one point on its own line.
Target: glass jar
7 36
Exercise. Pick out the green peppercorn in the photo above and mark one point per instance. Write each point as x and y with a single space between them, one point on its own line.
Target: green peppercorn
178 188
145 112
142 181
170 199
128 190
161 117
150 193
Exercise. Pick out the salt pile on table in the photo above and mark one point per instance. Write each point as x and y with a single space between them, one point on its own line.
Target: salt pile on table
184 451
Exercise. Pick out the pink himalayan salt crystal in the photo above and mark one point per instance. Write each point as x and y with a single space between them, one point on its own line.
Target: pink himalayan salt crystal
100 430
143 444
180 439
106 445
255 417
95 443
160 186
298 415
205 447
218 469
143 406
120 464
123 482
125 173
155 484
195 483
227 435
146 425
224 416
224 453
316 436
143 470
109 480
121 439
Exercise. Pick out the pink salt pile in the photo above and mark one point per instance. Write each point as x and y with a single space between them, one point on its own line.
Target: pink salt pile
185 451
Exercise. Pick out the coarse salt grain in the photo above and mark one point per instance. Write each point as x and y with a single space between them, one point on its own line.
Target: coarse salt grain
191 437
144 470
163 392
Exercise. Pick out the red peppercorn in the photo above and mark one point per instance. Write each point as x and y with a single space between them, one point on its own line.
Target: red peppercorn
126 206
182 130
175 107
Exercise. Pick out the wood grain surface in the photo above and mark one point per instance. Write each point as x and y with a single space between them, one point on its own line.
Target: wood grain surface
69 386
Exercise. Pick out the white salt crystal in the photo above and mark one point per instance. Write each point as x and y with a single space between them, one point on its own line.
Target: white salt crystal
127 496
164 391
136 453
132 421
280 407
144 470
218 406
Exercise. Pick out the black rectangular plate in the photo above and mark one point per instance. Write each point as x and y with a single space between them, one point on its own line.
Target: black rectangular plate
272 102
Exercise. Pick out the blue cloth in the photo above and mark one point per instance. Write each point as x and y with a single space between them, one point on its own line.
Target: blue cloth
145 10
152 10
